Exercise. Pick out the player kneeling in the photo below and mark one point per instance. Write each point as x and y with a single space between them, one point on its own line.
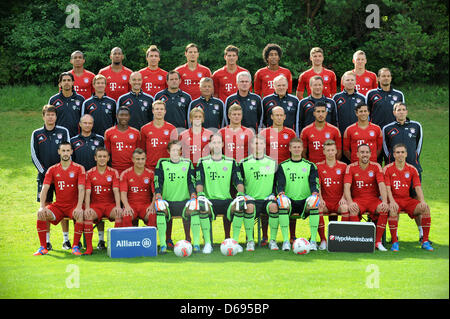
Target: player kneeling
69 180
102 198
332 200
136 191
400 177
174 186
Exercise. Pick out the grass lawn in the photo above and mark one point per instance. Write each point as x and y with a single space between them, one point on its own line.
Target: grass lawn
412 273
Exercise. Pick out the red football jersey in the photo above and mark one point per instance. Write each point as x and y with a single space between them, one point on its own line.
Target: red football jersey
364 182
195 146
190 79
83 83
401 181
153 81
263 82
236 143
277 142
139 188
121 146
329 82
313 140
154 141
225 82
331 180
66 182
365 82
117 83
355 136
101 185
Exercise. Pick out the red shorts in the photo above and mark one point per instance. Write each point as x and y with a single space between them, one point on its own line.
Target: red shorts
60 211
103 210
332 205
369 205
140 210
407 205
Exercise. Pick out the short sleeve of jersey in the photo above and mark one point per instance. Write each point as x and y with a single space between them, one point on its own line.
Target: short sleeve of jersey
48 179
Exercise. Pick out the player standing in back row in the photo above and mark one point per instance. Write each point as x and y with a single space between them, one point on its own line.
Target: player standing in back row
264 77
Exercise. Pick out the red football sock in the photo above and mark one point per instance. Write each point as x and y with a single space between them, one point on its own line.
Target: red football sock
77 232
426 224
41 226
127 221
393 225
118 223
345 216
381 226
151 220
321 228
88 232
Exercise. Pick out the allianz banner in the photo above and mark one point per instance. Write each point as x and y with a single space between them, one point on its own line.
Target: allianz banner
126 242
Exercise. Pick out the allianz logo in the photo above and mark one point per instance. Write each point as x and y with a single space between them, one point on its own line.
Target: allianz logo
146 243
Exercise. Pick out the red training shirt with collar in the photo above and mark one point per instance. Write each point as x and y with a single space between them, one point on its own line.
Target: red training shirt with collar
225 82
401 181
117 83
83 83
195 146
153 81
277 142
313 140
121 146
364 182
154 141
139 188
236 143
355 136
101 185
263 82
331 180
190 79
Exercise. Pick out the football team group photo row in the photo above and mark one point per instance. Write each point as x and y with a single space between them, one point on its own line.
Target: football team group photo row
154 145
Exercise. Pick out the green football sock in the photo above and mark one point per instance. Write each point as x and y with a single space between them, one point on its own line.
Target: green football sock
238 219
284 226
314 223
195 227
273 224
162 226
206 227
249 224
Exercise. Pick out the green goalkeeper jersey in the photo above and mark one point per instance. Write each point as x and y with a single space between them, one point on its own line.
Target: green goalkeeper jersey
174 181
297 179
217 176
259 176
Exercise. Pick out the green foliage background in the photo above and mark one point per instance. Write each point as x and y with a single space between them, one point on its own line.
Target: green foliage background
412 40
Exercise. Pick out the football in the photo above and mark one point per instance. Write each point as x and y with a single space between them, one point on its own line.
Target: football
183 248
313 202
301 246
229 247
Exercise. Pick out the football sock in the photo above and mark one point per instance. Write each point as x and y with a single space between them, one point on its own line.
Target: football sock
205 224
393 225
151 221
195 226
284 225
292 226
127 221
41 226
273 223
88 232
426 223
187 229
168 230
162 227
314 223
321 228
77 232
420 228
249 224
118 223
238 219
381 226
345 216
47 237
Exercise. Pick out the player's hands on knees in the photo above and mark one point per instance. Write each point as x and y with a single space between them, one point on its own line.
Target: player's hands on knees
322 205
384 206
423 206
117 212
151 210
128 211
78 214
393 208
89 214
43 214
342 202
353 208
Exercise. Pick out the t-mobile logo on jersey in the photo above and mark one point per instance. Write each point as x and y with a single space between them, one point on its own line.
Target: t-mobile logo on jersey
61 185
119 146
187 82
397 184
193 148
97 189
359 184
228 87
148 85
327 181
113 86
270 84
134 189
274 145
231 146
316 145
360 142
154 142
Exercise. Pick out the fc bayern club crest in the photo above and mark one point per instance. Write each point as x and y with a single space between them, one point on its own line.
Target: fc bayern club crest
108 178
372 133
199 74
86 80
367 80
327 135
406 175
71 174
124 77
370 174
166 132
131 136
160 77
146 180
338 172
